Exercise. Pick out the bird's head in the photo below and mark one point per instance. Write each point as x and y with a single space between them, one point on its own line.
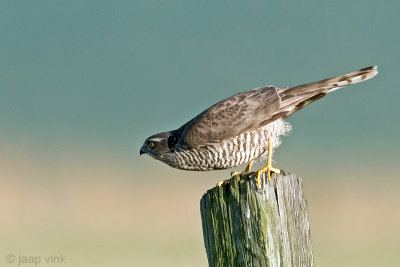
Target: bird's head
156 146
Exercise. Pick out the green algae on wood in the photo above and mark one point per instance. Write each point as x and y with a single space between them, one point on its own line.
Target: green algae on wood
243 226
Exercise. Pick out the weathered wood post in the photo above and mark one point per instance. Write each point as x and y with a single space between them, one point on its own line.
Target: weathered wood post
243 226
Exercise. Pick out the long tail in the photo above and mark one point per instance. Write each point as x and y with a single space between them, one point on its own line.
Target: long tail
297 97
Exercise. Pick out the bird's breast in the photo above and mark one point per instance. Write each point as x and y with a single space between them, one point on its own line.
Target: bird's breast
231 152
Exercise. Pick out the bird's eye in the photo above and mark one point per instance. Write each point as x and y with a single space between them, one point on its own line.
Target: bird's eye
151 144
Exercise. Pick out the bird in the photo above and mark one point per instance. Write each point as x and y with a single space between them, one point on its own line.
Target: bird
242 128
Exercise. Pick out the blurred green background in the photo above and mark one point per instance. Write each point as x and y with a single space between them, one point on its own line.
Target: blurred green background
83 83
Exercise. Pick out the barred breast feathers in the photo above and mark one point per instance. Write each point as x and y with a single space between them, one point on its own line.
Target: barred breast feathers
234 151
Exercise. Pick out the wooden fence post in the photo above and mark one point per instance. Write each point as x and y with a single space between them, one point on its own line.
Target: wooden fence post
243 226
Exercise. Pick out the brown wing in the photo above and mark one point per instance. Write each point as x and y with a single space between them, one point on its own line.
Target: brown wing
231 117
253 109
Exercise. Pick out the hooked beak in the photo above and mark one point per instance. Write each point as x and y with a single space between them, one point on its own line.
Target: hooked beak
142 151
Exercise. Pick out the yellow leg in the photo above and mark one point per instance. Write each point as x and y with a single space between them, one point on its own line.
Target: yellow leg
247 170
267 168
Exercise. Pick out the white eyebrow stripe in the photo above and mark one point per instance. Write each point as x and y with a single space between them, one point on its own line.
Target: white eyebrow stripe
158 139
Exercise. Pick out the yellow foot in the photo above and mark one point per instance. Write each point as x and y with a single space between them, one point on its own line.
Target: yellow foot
268 169
247 170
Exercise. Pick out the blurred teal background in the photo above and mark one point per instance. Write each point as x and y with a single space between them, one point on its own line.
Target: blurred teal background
83 83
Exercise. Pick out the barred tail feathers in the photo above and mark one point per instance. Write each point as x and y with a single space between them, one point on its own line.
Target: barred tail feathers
334 83
353 77
297 97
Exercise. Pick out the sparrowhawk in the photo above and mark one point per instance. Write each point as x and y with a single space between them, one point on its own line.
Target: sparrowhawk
243 127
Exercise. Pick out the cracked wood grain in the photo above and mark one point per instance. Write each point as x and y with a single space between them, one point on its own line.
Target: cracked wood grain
243 226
